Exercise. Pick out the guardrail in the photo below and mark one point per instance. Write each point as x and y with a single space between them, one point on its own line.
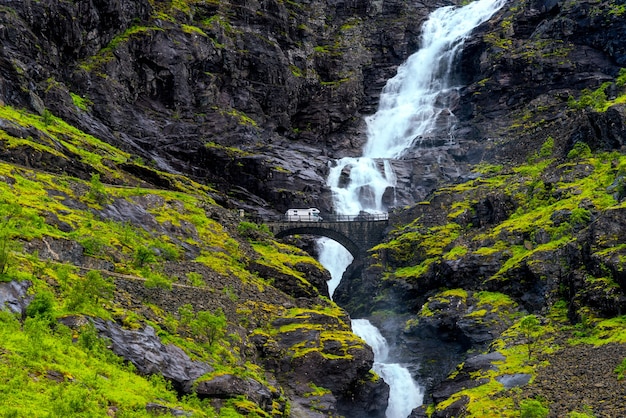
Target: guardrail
329 217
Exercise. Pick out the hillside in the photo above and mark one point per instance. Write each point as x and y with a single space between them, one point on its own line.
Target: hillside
140 141
209 315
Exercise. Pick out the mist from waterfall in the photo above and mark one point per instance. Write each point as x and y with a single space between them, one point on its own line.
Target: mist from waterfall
412 106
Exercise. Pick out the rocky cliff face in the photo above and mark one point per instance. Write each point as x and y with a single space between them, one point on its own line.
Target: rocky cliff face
521 210
251 96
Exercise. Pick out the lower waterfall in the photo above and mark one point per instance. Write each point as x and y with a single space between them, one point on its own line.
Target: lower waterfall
404 393
335 258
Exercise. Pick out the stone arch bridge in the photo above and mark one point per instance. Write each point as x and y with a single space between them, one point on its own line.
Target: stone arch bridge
356 233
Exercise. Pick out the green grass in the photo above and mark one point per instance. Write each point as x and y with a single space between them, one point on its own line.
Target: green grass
47 374
44 209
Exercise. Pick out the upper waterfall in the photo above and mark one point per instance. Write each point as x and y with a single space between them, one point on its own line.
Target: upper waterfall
412 101
411 105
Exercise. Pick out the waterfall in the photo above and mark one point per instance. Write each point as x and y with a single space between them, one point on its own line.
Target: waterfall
335 258
412 106
404 394
413 101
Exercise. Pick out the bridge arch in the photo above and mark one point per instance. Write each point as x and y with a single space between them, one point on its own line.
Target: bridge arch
342 239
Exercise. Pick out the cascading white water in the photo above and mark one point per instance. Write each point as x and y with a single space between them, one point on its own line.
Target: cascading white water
335 258
412 101
404 393
411 105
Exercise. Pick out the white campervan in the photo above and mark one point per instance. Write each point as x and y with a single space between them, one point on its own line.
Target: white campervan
303 215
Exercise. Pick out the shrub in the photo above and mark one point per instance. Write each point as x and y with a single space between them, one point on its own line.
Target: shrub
167 251
41 306
47 117
195 279
252 231
580 217
621 370
587 413
97 192
547 148
5 245
90 289
143 256
579 151
532 408
92 246
157 280
8 214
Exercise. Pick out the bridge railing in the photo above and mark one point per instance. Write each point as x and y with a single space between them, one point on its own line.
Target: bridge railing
330 217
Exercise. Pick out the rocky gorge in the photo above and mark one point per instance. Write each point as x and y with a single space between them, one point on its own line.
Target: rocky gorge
133 133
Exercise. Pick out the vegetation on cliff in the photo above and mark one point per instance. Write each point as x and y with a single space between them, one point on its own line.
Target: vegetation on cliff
112 247
544 235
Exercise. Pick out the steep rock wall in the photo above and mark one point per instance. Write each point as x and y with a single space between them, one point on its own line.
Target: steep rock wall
273 87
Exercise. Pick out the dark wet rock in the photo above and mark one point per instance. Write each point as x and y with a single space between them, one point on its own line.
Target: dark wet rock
368 399
68 251
455 409
482 362
288 100
514 380
570 49
319 348
229 386
158 409
293 285
144 349
449 387
464 377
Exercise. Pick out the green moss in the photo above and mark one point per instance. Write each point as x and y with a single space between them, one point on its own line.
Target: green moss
96 62
242 118
296 71
455 253
90 150
81 102
193 30
231 151
284 258
604 331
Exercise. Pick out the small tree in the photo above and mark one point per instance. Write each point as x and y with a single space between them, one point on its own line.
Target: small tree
204 325
42 306
8 213
529 325
97 192
4 252
157 280
90 289
143 256
209 326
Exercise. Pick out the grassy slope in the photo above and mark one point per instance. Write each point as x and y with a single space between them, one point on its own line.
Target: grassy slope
48 369
583 186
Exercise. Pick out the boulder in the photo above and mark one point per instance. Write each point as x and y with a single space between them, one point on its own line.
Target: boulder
144 349
319 348
14 296
229 386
